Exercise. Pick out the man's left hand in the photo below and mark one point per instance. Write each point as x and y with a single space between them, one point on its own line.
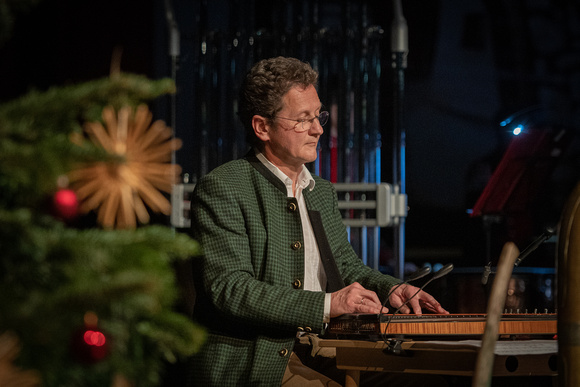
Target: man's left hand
421 300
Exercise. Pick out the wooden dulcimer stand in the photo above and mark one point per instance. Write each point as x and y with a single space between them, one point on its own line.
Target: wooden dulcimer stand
445 344
443 357
442 344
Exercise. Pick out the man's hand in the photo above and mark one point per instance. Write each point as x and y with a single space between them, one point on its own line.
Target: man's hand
355 299
423 299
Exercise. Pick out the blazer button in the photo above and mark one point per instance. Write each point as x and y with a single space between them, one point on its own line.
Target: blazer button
297 284
296 245
292 207
283 352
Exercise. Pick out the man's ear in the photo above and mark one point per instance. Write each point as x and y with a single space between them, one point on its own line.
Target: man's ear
261 127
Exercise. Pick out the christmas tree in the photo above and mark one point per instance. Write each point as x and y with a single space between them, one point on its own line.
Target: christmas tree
87 284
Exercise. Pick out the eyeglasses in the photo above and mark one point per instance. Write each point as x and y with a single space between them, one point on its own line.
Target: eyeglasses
307 123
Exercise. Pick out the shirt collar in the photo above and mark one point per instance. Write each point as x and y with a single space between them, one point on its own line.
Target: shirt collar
305 179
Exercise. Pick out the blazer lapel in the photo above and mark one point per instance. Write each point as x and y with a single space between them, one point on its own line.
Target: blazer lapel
334 279
264 171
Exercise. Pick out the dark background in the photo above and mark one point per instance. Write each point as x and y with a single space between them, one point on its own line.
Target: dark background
471 64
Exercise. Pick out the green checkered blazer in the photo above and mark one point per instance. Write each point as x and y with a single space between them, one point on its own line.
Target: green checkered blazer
249 281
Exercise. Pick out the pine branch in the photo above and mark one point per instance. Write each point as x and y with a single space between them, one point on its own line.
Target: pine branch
52 275
124 277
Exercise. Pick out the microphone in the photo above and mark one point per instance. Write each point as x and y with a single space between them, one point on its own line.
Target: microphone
399 36
535 244
486 273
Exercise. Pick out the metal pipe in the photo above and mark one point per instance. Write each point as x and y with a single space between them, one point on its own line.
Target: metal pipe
399 51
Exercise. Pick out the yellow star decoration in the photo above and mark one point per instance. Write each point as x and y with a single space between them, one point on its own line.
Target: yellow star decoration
119 191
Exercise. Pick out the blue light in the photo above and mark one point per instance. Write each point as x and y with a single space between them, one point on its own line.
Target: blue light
517 130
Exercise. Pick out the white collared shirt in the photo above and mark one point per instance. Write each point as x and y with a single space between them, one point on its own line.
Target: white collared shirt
314 274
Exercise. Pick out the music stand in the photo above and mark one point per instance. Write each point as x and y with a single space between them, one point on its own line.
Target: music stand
524 168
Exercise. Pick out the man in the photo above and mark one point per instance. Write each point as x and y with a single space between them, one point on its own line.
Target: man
277 260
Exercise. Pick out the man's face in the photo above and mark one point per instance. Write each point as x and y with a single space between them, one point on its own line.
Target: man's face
286 146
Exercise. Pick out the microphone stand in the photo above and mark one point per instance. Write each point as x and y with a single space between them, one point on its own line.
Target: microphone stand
393 345
443 271
420 273
547 234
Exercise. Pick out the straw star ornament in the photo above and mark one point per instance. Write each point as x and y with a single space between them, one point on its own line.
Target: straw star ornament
120 191
10 375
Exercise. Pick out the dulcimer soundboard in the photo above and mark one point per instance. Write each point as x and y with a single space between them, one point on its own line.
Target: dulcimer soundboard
516 324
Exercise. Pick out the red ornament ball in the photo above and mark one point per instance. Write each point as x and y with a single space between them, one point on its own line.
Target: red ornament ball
65 204
89 345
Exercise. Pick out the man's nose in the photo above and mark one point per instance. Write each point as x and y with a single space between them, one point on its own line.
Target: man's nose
316 128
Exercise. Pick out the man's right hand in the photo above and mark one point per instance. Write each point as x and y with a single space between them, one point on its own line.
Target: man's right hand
354 298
